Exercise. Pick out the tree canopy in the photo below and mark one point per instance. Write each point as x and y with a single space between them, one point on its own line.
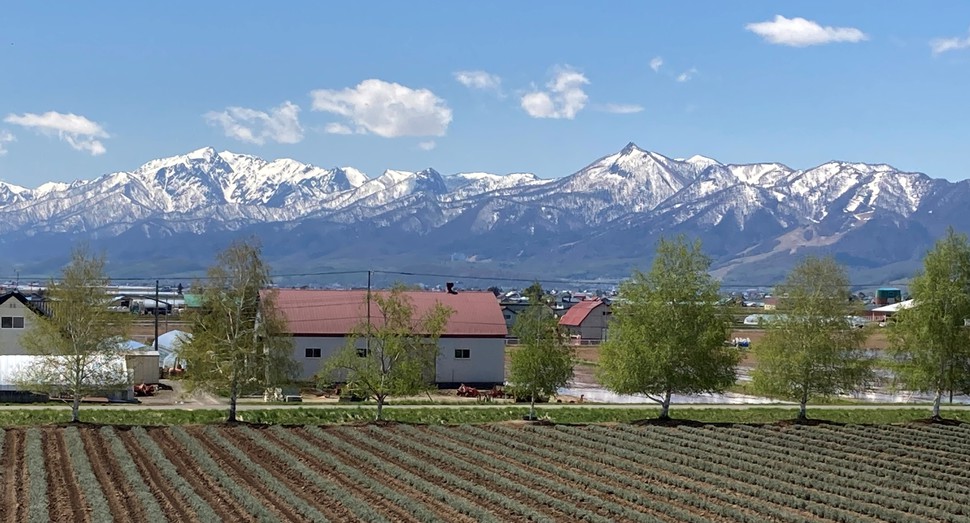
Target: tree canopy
667 333
543 362
79 341
393 351
813 349
240 344
930 342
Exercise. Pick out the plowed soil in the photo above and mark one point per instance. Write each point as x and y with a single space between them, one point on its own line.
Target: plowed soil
506 473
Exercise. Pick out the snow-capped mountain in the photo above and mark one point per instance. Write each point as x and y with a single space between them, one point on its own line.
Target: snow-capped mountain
603 217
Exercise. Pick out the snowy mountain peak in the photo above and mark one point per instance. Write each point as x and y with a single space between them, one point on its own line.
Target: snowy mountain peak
702 161
205 153
630 148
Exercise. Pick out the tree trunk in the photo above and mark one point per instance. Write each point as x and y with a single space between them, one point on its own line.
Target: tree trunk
233 393
802 406
665 406
76 408
380 408
936 405
532 408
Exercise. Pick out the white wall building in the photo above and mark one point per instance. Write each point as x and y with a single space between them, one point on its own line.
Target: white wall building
471 349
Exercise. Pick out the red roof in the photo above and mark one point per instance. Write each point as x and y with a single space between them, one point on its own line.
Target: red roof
337 313
576 314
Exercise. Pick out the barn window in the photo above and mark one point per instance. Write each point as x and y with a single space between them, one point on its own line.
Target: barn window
12 322
463 354
313 353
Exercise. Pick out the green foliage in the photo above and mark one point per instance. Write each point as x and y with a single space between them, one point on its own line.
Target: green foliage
812 350
393 351
79 341
543 362
535 293
668 330
930 341
239 338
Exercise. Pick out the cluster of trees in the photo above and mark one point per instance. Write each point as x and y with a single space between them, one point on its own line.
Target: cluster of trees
668 333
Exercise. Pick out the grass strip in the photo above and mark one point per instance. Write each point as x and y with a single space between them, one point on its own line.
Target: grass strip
432 415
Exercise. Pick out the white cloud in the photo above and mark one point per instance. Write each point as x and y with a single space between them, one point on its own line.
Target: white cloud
337 128
942 45
79 132
281 124
687 75
622 108
656 63
479 80
5 137
563 99
427 146
386 109
799 32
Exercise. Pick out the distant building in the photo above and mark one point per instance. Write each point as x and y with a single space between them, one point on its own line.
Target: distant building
587 320
888 296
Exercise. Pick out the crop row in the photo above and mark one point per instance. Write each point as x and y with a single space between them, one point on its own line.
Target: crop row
831 477
599 474
823 487
330 464
713 479
865 462
518 478
444 478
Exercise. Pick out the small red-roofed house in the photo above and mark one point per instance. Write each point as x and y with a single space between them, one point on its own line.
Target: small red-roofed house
471 348
588 320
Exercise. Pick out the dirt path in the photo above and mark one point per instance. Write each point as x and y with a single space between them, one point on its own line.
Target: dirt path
117 491
169 500
65 498
14 506
223 503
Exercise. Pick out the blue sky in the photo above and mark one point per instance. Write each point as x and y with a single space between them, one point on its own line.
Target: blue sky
88 88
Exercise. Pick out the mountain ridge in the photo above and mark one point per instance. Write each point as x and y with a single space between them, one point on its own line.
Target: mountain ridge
603 217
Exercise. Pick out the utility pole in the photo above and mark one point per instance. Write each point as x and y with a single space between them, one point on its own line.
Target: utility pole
156 315
368 312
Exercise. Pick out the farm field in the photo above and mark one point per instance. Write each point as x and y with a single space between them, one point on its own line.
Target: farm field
498 472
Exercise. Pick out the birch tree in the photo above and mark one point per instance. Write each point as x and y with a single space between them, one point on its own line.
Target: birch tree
239 344
668 330
543 362
393 352
930 341
78 341
811 348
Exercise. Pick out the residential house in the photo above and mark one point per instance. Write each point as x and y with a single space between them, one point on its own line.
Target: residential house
17 314
471 348
588 320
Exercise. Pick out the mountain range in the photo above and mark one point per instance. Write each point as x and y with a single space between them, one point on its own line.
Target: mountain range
171 215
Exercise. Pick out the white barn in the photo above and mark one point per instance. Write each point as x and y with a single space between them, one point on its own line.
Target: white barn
471 349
